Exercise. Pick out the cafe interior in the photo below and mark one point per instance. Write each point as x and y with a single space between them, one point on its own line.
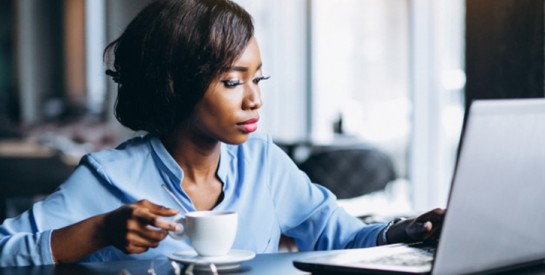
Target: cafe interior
368 97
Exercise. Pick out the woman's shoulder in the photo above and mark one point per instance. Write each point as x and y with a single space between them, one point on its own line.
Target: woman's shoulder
129 150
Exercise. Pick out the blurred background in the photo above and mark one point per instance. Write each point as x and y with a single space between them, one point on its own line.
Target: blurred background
393 77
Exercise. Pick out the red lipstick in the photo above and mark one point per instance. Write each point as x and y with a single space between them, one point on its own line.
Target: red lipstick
249 125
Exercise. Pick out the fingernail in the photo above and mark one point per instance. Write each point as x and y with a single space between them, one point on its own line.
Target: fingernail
177 227
428 225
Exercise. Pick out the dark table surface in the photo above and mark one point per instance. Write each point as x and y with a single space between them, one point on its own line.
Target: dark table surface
277 263
264 264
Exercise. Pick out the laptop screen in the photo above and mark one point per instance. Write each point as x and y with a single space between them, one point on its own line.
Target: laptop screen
494 217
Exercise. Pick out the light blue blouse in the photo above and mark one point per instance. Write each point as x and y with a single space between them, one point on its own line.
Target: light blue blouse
260 182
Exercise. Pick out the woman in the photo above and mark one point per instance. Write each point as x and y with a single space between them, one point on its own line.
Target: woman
188 73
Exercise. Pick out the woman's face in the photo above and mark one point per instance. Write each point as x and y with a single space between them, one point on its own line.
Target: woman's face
228 111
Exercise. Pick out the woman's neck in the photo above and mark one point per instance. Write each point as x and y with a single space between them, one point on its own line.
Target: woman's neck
197 156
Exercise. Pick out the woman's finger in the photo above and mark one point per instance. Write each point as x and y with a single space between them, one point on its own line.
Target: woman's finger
138 239
146 230
167 225
435 215
152 234
143 216
158 209
132 248
417 231
143 234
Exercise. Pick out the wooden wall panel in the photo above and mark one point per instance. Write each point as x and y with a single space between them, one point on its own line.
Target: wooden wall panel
504 49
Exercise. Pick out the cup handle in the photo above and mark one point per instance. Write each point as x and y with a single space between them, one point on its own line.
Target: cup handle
178 235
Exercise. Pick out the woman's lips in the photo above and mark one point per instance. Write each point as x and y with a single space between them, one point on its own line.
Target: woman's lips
249 125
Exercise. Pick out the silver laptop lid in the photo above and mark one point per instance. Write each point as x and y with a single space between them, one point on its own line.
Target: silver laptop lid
495 215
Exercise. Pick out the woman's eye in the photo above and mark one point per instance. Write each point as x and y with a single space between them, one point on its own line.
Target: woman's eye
234 83
231 83
258 79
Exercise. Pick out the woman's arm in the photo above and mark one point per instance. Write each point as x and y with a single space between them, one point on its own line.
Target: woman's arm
85 214
309 212
132 228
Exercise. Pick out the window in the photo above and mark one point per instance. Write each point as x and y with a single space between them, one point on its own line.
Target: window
392 70
360 72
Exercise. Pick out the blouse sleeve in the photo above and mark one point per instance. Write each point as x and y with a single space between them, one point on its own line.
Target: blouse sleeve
26 239
309 213
24 248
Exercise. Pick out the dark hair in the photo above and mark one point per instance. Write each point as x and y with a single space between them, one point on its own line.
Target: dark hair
169 54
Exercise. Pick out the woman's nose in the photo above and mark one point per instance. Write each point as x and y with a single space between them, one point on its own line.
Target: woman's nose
252 99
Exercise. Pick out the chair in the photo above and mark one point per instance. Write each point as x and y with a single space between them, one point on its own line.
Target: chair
350 171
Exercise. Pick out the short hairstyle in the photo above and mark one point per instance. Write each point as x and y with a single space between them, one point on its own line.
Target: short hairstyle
168 55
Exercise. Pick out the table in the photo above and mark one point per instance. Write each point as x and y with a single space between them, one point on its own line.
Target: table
263 264
275 263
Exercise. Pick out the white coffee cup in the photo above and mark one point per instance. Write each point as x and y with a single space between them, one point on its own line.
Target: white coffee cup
211 233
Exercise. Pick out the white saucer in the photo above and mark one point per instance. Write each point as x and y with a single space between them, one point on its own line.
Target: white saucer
230 261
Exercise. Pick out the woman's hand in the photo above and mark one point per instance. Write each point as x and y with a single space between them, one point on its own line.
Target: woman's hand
426 227
136 227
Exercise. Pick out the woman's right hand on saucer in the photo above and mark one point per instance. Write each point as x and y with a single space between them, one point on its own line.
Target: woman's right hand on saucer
135 227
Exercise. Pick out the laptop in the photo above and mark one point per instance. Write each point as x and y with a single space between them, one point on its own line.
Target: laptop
494 219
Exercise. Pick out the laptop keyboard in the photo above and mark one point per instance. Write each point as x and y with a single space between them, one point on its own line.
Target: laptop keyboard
415 257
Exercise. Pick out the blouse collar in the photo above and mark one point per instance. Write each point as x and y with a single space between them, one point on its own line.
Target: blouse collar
170 164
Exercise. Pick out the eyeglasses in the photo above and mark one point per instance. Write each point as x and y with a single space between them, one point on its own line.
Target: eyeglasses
200 268
205 268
